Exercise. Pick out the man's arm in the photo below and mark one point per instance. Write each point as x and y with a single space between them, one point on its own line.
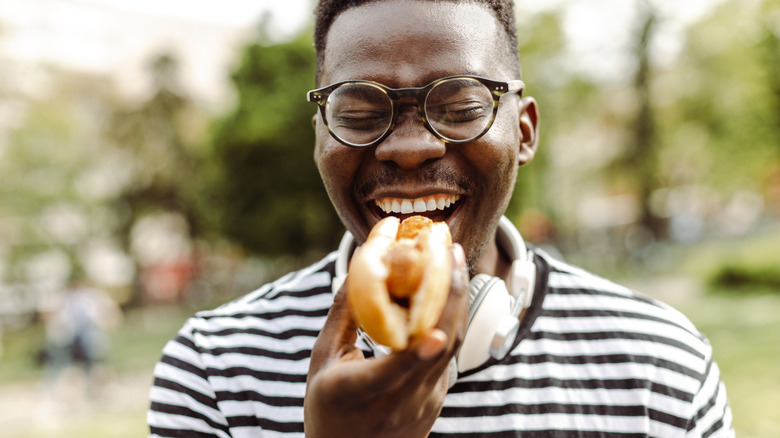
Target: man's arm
397 395
182 400
710 413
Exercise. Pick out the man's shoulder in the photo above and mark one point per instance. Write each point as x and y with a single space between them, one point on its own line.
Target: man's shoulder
266 336
595 301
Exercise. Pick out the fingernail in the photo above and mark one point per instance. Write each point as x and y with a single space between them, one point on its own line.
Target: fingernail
432 345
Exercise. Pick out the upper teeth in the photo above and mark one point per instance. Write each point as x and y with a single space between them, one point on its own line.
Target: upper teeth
417 205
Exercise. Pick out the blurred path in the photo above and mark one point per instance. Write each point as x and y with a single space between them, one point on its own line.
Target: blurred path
116 409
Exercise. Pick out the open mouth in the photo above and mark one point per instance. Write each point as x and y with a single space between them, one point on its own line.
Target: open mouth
437 207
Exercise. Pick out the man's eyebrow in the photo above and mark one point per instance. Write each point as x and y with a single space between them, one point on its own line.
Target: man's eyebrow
424 80
443 74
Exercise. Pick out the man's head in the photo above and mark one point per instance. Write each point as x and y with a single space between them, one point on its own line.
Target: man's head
503 10
412 43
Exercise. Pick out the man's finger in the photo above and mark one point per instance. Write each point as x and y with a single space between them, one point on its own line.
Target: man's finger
428 354
378 376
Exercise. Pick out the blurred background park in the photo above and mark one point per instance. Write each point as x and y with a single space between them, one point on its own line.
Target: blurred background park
160 154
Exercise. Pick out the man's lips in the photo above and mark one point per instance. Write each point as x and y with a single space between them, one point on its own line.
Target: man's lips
425 204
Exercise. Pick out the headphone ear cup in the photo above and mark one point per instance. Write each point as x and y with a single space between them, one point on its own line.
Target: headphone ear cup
478 288
489 301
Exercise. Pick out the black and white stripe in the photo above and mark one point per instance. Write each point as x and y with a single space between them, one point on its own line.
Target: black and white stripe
594 359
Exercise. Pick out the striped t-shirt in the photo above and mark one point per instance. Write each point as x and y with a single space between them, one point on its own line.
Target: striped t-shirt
593 359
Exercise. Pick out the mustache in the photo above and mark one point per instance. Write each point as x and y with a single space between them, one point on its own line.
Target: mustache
431 175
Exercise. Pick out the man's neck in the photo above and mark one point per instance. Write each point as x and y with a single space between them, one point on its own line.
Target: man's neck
495 262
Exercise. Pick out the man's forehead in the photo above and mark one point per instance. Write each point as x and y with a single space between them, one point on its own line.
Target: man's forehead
415 38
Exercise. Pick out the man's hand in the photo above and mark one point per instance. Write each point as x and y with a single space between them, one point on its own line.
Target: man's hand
397 395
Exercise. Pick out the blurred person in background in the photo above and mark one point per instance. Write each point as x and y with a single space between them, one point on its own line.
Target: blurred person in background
77 321
574 355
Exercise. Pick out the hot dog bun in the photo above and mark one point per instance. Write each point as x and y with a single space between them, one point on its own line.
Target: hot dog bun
398 280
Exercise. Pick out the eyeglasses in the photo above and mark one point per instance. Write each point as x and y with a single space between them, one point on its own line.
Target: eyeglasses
456 109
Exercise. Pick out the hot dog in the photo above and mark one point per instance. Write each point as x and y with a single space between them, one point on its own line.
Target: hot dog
398 280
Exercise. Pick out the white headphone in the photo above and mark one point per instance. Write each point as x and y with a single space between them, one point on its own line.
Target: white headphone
494 309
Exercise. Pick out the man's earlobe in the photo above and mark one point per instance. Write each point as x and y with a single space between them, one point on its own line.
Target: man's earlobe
529 128
314 121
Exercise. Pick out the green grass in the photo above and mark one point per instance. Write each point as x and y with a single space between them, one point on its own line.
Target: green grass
19 350
144 334
745 334
741 320
750 264
136 345
100 424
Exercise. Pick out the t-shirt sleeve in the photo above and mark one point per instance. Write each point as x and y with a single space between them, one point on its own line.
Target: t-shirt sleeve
710 411
182 401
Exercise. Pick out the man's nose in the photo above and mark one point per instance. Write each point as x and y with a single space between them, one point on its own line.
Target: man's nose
410 144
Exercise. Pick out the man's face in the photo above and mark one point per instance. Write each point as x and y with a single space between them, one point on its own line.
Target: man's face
405 43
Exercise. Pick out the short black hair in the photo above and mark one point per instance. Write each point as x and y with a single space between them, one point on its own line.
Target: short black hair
328 10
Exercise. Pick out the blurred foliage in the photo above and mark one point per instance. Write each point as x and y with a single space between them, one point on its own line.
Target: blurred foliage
719 106
685 145
48 162
688 140
540 41
691 136
736 267
166 153
740 276
267 188
640 154
163 139
84 167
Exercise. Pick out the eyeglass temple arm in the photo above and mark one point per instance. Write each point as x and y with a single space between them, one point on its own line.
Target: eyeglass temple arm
313 96
515 86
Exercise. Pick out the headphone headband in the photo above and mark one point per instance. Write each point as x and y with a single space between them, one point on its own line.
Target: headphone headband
510 239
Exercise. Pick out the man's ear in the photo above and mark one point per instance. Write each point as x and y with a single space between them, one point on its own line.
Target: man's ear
529 128
314 121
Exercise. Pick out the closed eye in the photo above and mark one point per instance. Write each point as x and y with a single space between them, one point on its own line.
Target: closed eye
360 119
461 112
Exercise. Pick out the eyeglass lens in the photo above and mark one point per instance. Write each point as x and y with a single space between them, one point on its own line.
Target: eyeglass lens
456 109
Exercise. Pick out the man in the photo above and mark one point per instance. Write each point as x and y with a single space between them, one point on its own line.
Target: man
589 358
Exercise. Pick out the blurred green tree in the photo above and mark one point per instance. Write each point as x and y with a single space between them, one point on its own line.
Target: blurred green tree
719 123
540 42
56 178
265 186
639 160
164 136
